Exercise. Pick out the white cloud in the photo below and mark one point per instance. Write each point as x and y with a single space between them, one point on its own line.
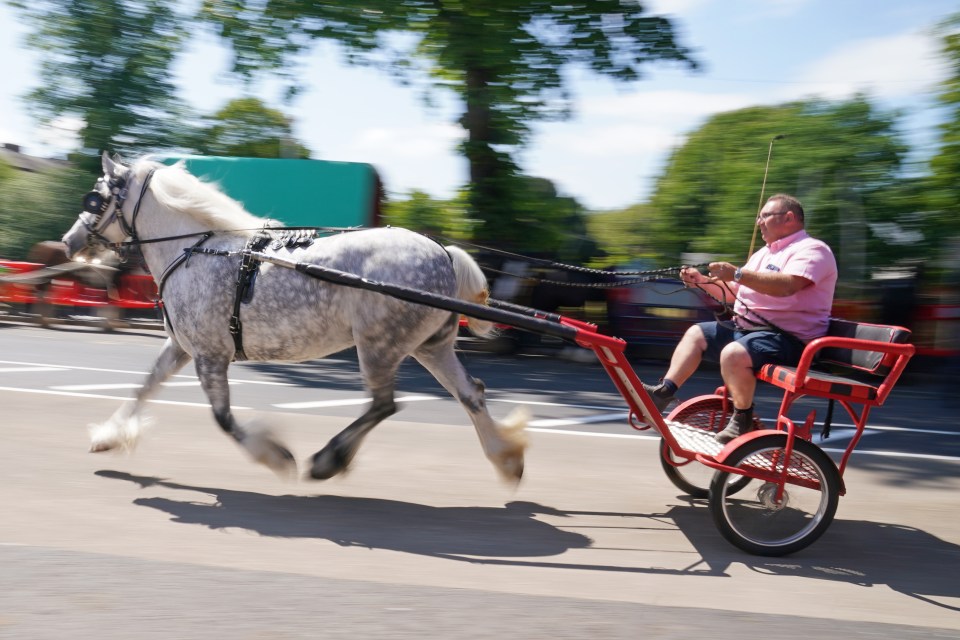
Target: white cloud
662 106
62 134
681 8
901 65
415 157
613 140
408 142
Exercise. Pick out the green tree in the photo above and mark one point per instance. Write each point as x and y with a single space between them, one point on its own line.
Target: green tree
623 235
107 64
419 212
506 60
246 127
38 206
842 159
944 193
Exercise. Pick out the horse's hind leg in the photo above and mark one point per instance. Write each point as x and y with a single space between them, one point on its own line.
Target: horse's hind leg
379 372
503 442
261 445
123 428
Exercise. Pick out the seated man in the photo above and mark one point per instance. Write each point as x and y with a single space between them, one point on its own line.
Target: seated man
784 295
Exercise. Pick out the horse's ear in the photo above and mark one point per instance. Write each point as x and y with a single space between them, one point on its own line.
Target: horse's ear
107 163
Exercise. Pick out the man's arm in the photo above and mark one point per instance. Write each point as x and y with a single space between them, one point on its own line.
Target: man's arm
771 283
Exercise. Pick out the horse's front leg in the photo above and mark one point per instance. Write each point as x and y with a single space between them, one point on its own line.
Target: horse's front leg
378 365
262 445
123 428
337 455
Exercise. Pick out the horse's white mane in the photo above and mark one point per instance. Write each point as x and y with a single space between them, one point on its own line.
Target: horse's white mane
175 188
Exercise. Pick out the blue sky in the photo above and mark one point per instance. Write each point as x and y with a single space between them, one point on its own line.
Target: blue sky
755 52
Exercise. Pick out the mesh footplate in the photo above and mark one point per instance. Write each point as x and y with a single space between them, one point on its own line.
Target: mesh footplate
801 472
699 439
694 439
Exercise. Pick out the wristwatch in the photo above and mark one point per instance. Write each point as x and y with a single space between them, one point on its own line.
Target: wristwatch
737 274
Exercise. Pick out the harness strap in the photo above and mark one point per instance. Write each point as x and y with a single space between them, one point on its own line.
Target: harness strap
173 266
131 230
246 276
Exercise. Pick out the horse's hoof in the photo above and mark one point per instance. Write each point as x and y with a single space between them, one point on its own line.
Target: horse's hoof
266 450
326 464
99 447
282 463
511 470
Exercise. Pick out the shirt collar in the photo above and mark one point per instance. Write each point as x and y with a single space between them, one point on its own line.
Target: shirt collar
778 245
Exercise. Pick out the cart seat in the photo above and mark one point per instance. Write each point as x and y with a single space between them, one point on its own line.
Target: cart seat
854 361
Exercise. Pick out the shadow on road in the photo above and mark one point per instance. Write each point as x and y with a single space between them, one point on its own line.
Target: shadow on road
862 553
369 522
859 552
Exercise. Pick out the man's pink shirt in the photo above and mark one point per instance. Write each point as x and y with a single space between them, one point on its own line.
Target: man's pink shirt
805 314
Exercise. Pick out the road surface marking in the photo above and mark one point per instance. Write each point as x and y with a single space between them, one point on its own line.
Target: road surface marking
347 402
563 422
125 385
55 367
73 394
28 369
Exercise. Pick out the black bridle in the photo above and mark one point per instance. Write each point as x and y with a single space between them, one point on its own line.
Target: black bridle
97 205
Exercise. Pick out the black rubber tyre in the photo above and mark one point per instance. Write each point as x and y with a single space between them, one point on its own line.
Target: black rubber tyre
755 523
694 478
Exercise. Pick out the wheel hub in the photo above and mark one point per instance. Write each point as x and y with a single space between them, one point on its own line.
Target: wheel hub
767 496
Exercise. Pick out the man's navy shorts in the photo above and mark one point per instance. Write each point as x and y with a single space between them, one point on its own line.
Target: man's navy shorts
764 347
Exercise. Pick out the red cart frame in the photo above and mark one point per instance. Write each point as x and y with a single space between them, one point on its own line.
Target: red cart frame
799 485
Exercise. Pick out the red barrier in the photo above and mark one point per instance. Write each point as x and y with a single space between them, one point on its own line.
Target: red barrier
13 293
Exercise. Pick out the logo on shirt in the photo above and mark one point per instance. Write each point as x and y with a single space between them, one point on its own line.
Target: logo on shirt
773 267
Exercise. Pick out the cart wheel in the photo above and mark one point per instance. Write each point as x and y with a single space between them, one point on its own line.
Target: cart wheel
691 477
758 523
694 478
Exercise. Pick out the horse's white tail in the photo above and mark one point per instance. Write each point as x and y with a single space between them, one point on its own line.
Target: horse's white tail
472 287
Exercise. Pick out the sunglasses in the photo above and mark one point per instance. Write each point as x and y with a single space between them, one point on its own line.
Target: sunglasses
770 214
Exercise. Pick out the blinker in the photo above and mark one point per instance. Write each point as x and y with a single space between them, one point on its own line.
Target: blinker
94 203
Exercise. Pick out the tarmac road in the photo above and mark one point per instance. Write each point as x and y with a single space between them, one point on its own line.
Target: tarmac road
184 538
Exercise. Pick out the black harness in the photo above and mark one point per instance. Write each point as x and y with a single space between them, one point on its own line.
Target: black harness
246 277
249 270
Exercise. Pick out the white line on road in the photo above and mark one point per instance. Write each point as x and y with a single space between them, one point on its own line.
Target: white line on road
73 394
562 422
125 385
96 387
55 367
535 403
28 369
346 402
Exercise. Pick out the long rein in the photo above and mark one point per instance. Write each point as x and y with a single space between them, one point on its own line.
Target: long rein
640 276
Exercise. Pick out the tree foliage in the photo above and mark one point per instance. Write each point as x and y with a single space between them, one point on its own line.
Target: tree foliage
505 60
623 236
944 193
246 127
419 212
560 221
842 159
107 65
35 207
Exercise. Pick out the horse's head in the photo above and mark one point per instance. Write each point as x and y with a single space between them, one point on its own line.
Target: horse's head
101 223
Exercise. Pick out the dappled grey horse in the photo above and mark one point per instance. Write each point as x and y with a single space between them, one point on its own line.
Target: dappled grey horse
290 317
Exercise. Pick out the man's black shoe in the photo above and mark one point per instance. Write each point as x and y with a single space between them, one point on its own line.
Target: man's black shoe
659 397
